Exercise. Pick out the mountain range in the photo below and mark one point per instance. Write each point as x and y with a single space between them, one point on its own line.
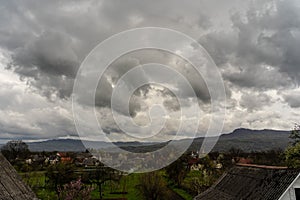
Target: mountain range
246 139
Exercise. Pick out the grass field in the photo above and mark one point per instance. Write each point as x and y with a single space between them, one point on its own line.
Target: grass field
127 184
124 189
36 180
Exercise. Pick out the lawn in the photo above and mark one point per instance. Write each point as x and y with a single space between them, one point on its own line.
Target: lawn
36 180
127 184
111 190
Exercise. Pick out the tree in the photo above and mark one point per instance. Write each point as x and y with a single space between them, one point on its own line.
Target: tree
292 156
15 149
75 191
177 171
235 152
198 182
101 174
59 174
152 186
292 153
295 134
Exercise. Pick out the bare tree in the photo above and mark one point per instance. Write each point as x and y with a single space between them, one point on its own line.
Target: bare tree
15 149
101 174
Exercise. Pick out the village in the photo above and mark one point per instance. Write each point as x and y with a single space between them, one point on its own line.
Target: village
191 176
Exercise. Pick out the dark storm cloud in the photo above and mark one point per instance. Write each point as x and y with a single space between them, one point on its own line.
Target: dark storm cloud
127 62
49 61
46 44
263 45
49 40
255 46
50 53
220 46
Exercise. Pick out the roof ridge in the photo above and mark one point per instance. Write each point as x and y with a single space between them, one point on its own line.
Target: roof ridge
261 166
12 185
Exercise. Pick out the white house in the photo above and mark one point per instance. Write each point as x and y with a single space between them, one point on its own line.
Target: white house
293 191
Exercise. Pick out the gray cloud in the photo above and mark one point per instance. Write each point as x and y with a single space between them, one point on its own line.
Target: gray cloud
25 114
253 101
257 76
255 45
127 62
49 62
51 53
293 100
262 44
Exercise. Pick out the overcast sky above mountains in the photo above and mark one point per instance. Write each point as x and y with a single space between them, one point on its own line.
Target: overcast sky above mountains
255 44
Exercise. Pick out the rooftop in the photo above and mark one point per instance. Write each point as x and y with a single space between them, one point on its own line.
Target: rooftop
11 185
251 182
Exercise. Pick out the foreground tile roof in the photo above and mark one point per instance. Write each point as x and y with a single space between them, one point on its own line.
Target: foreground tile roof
11 185
251 182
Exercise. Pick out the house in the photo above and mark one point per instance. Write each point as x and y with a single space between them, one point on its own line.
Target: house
11 185
64 157
241 160
193 164
89 162
255 182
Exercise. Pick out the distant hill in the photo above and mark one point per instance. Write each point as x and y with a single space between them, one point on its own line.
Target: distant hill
77 145
245 139
249 140
57 145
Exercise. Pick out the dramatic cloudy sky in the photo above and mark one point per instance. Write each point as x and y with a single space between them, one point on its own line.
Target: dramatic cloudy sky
255 44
